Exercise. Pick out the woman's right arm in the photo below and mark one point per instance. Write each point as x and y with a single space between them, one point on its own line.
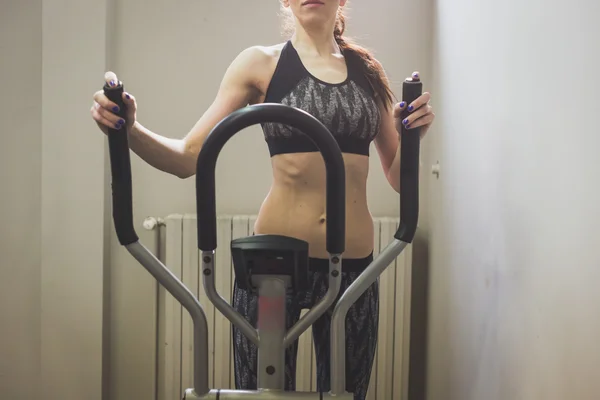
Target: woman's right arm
178 156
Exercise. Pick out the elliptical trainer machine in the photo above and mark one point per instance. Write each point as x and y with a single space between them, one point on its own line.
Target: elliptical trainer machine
271 265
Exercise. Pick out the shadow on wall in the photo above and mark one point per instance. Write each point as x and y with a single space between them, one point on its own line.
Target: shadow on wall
417 382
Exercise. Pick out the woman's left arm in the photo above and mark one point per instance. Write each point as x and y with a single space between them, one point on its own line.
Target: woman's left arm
387 141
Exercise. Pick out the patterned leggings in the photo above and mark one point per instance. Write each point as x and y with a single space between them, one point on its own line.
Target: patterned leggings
361 331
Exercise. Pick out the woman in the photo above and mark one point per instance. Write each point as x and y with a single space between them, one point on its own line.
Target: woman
341 84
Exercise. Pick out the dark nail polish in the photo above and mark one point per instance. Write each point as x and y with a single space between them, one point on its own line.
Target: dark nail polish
405 121
410 108
407 126
121 121
118 126
402 104
116 109
112 83
128 96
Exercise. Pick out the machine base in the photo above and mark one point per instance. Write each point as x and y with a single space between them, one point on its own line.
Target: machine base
227 394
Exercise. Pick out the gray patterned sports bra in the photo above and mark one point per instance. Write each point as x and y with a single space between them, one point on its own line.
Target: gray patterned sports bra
348 109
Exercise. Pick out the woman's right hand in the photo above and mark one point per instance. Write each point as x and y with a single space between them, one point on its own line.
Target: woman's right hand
103 110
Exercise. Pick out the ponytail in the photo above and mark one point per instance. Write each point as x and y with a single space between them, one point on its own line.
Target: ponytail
370 67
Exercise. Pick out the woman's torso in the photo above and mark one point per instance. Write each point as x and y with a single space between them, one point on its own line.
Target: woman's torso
333 93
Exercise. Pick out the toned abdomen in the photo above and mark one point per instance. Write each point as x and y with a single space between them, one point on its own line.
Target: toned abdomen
295 205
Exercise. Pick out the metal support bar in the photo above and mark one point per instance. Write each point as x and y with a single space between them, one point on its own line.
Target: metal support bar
335 282
187 299
271 329
208 272
350 296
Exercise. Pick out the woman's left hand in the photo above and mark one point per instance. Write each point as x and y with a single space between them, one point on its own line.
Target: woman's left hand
420 113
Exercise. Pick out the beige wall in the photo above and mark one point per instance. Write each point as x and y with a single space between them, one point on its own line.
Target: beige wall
20 185
53 190
74 46
515 306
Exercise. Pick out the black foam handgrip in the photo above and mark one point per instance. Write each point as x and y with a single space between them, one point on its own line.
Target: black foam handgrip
409 166
120 167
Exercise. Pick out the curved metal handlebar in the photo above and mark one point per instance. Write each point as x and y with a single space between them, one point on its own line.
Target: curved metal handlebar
275 113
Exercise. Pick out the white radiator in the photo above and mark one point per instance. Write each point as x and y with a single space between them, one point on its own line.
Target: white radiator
390 372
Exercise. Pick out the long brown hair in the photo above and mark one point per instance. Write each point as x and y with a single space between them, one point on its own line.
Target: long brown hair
369 66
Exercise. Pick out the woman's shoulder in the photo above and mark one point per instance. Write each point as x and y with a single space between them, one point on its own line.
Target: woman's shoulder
259 55
258 64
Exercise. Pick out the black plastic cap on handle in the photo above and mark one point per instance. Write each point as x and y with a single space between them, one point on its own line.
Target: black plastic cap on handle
120 167
409 166
273 113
